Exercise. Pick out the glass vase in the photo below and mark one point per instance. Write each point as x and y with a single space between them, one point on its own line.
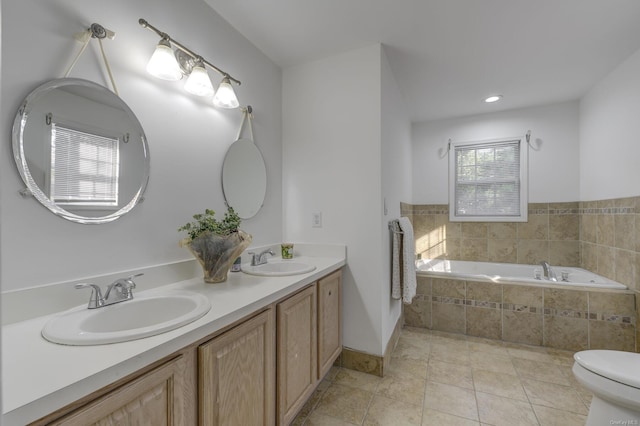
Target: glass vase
216 253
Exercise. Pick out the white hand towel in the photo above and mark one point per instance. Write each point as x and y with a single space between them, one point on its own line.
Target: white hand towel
396 288
408 262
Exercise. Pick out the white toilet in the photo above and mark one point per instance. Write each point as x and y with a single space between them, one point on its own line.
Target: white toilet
614 379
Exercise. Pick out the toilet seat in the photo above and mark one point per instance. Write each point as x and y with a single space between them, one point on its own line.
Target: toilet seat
622 367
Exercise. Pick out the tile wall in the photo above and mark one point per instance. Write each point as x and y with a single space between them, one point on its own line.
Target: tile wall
552 233
601 236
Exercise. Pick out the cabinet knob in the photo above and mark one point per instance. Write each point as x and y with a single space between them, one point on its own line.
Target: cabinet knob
329 292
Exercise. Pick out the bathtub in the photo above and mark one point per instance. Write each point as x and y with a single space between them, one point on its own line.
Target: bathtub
511 273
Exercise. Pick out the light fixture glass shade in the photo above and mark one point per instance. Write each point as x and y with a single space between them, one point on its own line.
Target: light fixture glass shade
163 63
225 96
198 82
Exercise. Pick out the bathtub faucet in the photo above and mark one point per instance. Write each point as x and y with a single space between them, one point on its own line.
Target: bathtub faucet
548 272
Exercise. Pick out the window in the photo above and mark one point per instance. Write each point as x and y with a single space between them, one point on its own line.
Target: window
488 181
84 168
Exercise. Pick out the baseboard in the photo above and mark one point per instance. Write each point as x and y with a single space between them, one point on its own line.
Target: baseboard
371 364
393 341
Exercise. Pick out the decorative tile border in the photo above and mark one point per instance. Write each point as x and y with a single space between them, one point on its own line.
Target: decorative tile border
565 313
608 210
533 209
521 308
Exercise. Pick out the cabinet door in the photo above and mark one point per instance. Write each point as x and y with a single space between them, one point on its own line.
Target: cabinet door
236 375
155 398
297 352
329 321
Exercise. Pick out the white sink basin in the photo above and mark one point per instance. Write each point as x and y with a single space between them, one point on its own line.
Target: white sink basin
143 316
278 268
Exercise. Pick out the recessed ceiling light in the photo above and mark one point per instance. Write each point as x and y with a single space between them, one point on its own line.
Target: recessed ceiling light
494 98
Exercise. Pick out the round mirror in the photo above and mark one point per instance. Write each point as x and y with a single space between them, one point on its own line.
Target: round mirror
81 151
244 178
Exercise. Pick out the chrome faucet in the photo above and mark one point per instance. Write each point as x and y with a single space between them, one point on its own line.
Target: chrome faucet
548 272
261 258
118 291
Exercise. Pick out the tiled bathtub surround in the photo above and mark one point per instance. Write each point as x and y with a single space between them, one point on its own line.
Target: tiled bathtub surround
610 239
601 236
572 319
552 233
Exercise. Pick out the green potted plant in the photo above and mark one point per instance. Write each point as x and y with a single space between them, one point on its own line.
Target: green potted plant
216 244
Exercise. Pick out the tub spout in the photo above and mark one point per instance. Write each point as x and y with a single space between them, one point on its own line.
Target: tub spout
548 272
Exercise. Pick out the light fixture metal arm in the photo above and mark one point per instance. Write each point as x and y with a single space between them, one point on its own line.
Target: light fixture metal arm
144 24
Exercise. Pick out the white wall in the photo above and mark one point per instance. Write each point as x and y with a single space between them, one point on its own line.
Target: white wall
553 169
331 164
396 183
187 137
610 136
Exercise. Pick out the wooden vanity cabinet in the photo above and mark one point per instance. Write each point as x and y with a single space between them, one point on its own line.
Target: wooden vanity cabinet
309 336
297 352
162 396
329 321
236 373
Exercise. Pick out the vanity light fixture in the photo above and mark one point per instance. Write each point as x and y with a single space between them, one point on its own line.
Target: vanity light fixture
165 61
492 99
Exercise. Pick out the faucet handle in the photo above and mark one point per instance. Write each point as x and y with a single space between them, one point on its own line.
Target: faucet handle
130 278
95 300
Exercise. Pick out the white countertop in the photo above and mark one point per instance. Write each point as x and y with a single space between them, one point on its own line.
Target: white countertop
39 377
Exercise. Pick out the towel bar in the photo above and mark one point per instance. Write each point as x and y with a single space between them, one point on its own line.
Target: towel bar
394 226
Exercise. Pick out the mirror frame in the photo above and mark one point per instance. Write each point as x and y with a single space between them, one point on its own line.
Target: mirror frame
19 125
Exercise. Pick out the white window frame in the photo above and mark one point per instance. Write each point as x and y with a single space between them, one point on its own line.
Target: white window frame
79 200
523 181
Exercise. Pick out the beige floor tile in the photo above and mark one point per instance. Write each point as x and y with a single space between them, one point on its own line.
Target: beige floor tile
450 399
552 417
532 353
450 373
416 331
311 403
499 384
450 353
493 347
554 396
407 367
561 357
298 421
412 349
495 363
451 340
390 412
332 373
432 417
405 388
318 419
357 379
543 371
431 381
499 411
415 335
344 402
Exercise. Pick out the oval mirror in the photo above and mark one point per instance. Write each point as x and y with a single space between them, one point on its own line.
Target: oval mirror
81 151
244 178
